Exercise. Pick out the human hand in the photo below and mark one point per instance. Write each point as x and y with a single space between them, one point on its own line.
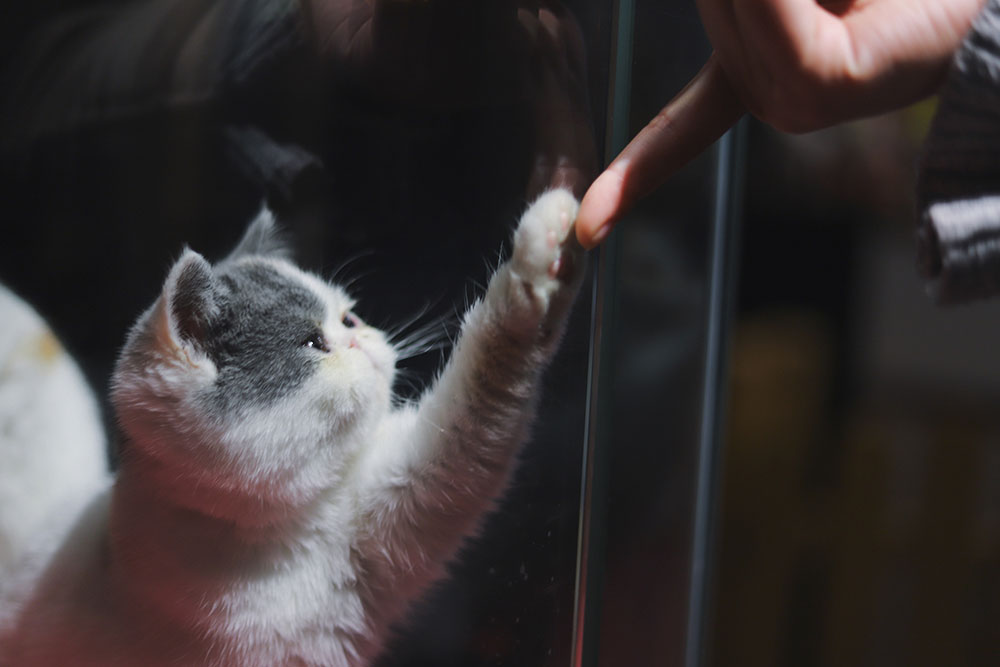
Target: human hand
798 65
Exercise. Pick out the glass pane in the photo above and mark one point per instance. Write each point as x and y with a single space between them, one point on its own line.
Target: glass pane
653 353
134 128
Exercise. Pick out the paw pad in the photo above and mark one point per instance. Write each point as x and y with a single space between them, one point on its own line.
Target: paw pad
545 250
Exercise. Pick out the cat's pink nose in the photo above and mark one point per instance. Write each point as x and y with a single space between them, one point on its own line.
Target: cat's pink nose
354 342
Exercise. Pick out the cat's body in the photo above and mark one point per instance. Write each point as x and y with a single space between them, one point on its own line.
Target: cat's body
272 506
57 462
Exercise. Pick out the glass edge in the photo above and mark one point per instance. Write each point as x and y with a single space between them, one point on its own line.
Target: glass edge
593 492
723 279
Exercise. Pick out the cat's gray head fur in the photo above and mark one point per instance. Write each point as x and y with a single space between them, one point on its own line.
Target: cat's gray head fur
249 381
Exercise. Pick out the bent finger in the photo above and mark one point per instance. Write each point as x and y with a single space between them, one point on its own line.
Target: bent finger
690 123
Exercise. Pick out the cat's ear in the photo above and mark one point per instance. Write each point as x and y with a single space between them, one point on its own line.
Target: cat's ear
190 301
261 238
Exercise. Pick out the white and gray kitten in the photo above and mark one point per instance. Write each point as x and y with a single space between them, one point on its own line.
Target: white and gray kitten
272 506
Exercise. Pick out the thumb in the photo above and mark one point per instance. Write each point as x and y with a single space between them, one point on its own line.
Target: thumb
690 123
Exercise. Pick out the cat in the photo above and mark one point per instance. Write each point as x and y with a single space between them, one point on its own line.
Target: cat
274 505
57 463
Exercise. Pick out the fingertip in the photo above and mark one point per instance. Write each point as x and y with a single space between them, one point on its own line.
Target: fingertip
690 123
600 209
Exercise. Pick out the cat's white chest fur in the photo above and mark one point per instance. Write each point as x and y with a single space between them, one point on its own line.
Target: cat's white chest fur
272 507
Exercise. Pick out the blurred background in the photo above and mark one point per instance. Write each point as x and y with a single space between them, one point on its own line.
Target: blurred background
858 510
860 520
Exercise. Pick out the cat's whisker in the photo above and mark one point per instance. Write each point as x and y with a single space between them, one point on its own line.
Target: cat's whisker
398 329
393 332
410 354
361 275
348 262
434 327
408 379
432 336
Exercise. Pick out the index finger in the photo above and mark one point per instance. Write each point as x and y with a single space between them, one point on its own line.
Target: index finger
690 123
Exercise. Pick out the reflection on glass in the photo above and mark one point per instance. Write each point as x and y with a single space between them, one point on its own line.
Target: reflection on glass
396 142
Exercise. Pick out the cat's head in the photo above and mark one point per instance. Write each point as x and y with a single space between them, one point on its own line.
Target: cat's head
248 383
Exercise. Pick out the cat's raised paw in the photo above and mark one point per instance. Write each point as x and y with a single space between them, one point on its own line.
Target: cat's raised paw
546 252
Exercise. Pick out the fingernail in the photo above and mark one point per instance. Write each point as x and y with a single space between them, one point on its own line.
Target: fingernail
600 235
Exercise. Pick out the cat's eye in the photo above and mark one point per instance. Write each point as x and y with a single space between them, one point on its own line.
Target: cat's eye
317 341
350 320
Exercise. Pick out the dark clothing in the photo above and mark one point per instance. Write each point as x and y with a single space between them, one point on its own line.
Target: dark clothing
959 188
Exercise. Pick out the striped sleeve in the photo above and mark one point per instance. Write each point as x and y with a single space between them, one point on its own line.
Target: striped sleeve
958 192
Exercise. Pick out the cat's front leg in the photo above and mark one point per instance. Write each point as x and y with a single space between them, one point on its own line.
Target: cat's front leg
426 489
